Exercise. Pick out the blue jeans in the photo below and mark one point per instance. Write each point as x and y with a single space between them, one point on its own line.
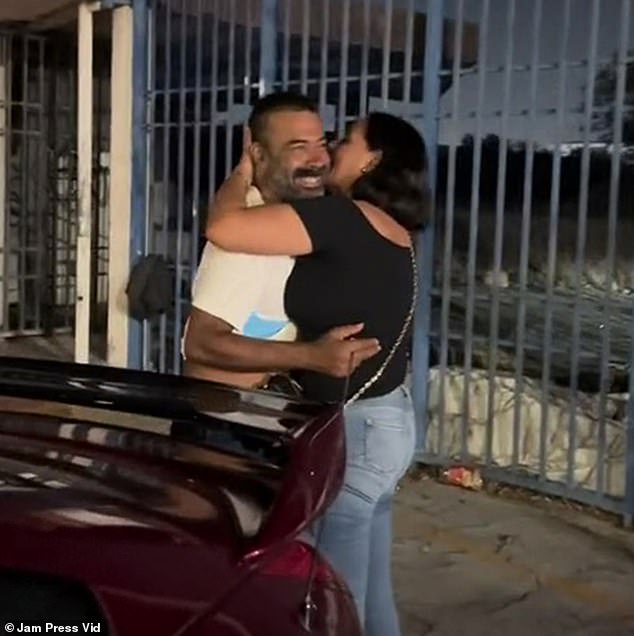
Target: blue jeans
356 531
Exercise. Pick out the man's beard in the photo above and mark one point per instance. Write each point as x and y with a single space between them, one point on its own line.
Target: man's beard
280 186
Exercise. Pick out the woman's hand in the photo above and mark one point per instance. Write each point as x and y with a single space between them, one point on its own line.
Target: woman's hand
245 167
273 229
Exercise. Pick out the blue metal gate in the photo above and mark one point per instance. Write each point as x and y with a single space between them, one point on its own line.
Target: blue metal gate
531 299
208 61
523 335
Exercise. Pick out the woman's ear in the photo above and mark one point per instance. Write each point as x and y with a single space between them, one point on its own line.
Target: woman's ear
374 161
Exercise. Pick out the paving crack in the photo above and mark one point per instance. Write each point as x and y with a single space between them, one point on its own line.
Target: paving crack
512 602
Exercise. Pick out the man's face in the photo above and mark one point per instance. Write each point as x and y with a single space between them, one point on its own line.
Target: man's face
292 160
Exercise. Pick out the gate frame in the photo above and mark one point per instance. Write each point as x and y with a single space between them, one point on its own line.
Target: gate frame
5 70
140 161
425 252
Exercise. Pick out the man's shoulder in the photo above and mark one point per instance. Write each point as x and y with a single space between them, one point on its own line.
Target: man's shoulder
214 254
221 272
214 257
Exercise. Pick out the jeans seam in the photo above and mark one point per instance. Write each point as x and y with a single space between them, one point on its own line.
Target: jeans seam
358 493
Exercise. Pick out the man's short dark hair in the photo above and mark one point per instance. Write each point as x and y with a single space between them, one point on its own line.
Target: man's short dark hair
276 103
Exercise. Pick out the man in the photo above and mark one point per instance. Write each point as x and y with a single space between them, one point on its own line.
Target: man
238 332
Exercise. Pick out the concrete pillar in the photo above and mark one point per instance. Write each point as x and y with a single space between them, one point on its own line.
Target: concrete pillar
120 185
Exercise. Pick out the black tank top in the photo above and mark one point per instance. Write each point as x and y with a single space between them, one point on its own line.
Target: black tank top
353 275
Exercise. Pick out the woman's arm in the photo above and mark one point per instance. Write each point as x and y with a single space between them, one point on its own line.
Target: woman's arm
265 229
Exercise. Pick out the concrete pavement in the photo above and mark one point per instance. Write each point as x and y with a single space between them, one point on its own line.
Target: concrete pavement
470 563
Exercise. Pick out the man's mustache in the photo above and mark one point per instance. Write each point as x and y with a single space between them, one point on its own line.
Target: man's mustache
310 172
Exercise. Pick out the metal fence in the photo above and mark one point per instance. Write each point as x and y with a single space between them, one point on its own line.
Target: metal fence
38 182
532 308
208 60
24 172
522 350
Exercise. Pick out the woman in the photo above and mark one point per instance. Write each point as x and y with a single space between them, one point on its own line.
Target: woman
354 264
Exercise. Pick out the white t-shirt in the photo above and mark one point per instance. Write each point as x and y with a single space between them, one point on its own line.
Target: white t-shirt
244 290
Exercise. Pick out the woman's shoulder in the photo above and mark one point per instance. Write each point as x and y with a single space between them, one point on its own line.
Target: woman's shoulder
383 224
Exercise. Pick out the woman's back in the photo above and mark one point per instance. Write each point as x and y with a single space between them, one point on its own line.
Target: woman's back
355 275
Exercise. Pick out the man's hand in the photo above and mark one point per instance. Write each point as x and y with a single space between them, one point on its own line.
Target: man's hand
338 354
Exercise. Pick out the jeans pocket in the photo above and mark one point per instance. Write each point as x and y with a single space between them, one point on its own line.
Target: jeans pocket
386 442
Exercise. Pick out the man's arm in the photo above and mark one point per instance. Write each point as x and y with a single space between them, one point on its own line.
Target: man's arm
210 341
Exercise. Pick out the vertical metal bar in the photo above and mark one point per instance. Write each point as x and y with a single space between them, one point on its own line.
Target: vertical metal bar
59 269
473 223
25 191
248 47
387 53
231 69
343 69
499 227
167 155
268 45
180 188
525 234
425 256
286 58
69 226
628 503
325 46
96 201
13 135
193 257
10 176
149 347
4 164
41 238
138 225
84 182
613 212
365 58
582 216
629 453
444 331
409 52
553 227
56 124
213 108
305 45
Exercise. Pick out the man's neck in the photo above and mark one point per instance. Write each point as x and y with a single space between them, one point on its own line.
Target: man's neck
267 195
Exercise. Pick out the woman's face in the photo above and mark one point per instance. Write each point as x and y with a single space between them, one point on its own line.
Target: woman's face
351 158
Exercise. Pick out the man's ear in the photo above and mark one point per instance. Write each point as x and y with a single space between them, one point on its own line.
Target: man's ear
257 152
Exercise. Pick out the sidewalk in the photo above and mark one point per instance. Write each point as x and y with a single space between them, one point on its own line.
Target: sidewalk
470 564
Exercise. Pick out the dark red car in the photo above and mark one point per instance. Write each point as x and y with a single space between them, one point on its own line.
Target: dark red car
154 504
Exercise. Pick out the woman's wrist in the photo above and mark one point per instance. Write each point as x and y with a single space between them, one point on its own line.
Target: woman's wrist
243 176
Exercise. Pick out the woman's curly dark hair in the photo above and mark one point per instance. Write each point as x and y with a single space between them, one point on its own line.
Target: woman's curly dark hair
399 182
